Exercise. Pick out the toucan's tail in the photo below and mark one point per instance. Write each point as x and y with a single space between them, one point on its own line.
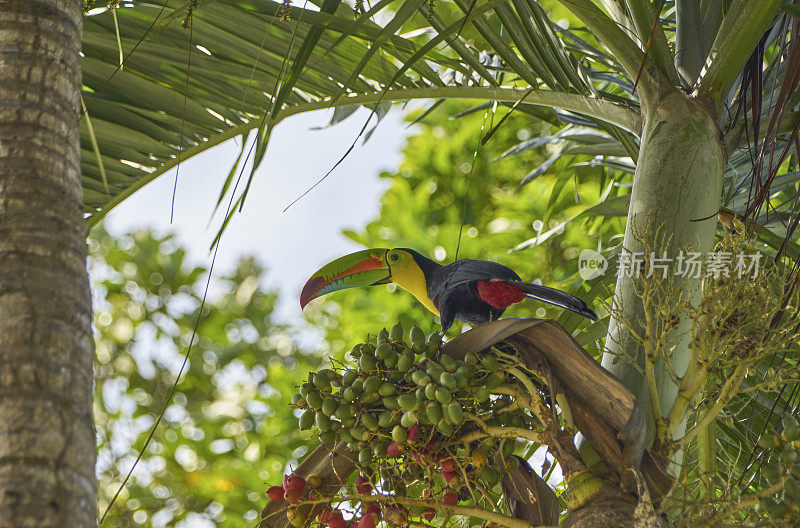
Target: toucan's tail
555 297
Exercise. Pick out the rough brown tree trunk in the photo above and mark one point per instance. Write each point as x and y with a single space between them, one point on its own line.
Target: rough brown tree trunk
47 442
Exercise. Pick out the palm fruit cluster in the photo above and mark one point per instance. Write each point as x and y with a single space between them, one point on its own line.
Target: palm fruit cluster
416 422
786 446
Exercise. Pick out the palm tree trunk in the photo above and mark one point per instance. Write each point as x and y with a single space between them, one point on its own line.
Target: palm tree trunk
676 196
47 442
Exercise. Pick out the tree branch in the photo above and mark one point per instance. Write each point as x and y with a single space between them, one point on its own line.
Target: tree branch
740 31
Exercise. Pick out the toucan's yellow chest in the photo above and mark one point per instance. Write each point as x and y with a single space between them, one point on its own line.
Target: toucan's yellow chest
411 279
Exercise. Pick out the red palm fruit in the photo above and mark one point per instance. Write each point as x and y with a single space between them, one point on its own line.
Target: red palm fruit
432 447
395 514
293 494
363 485
336 520
294 482
429 514
366 522
448 465
275 493
412 433
374 511
450 498
394 450
322 516
451 477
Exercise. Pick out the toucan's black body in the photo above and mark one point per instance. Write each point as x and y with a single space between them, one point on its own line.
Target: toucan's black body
453 288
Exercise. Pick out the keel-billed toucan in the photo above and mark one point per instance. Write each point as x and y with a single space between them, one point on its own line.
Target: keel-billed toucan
473 291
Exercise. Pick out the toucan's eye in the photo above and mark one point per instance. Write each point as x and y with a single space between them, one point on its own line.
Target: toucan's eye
394 257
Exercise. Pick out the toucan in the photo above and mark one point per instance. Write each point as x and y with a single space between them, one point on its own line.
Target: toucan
472 291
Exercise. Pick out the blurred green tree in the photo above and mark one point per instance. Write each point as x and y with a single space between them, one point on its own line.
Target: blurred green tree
228 428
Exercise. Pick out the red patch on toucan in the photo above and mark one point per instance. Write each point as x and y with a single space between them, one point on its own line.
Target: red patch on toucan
499 294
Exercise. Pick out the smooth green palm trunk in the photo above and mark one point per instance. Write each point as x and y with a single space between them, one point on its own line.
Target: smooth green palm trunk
675 198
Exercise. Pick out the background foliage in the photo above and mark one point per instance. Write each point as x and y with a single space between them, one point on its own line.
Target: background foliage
229 428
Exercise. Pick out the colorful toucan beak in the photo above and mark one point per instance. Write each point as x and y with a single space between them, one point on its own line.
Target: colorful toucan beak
362 268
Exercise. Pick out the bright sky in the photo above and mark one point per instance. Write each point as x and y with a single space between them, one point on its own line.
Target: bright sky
293 244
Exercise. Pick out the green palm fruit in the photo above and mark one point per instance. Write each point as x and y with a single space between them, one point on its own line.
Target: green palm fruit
405 361
430 349
357 386
788 457
792 488
344 411
305 388
390 402
365 363
314 400
355 352
371 384
443 395
448 363
383 350
306 420
416 335
353 446
481 394
433 371
327 437
445 428
383 336
508 447
430 391
791 433
323 422
489 363
408 402
399 434
490 475
386 388
365 456
434 412
348 377
409 418
344 435
329 405
421 378
448 380
379 449
391 359
493 381
357 432
770 441
349 394
472 358
420 394
385 419
396 333
395 376
455 413
350 421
